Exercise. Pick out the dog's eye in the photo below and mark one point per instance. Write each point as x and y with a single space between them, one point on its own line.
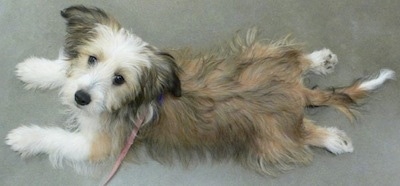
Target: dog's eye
118 80
92 60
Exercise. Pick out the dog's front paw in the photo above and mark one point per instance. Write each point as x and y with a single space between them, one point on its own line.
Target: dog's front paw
323 61
337 142
28 71
25 140
40 73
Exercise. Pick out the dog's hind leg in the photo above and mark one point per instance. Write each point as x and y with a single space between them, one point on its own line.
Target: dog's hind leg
322 61
333 139
41 73
344 98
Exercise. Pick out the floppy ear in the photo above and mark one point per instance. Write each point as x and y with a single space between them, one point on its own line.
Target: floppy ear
173 83
87 17
162 77
80 23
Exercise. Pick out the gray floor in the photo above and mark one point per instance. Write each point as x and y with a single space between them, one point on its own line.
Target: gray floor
365 34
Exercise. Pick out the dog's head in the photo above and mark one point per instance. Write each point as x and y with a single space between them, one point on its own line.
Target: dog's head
111 67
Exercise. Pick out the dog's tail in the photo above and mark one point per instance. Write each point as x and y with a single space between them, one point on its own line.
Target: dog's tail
344 98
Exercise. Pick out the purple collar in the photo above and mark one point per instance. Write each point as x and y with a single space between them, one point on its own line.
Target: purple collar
160 99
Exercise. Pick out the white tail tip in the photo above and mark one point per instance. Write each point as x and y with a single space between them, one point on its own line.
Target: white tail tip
377 80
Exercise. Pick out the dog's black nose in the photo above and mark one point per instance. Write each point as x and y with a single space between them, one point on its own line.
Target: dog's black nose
82 98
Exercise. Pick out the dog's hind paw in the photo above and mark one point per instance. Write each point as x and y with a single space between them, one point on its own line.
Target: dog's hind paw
337 141
323 61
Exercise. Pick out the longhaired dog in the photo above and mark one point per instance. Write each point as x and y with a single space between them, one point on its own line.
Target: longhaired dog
244 103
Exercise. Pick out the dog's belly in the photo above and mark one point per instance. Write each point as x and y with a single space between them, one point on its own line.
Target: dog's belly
229 104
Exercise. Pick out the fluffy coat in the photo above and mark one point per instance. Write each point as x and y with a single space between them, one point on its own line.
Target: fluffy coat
245 102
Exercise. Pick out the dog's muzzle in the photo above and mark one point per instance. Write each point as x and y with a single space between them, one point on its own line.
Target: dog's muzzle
82 98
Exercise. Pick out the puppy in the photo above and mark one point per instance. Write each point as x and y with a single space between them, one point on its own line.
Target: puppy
245 102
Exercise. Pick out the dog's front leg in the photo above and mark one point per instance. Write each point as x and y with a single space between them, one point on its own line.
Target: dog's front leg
59 144
41 73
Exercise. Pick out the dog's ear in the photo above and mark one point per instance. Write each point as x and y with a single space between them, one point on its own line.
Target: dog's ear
175 87
162 77
81 16
173 83
80 24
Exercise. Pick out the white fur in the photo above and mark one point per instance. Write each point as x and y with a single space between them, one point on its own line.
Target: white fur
337 141
376 81
120 46
118 51
323 61
59 144
56 142
40 73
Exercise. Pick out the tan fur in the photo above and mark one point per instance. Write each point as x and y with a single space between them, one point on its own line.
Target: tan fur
314 135
245 102
100 148
248 105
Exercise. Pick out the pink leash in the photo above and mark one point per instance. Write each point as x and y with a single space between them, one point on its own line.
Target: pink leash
125 150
